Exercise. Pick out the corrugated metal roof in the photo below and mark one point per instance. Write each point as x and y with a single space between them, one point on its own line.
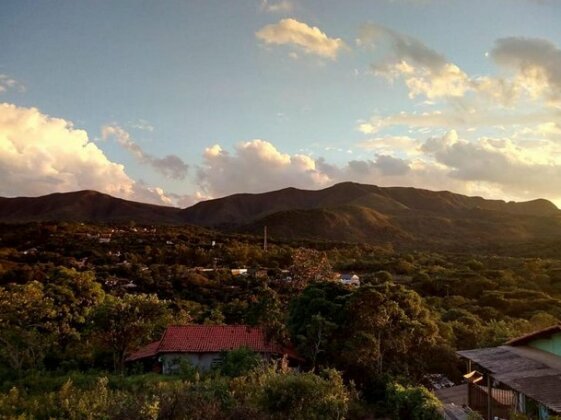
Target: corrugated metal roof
212 339
524 370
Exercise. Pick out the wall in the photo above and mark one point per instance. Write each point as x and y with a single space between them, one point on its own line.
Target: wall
551 344
171 361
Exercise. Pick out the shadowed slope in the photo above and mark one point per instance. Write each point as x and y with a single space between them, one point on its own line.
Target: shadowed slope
84 206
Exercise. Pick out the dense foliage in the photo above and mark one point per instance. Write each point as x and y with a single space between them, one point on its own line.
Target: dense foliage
76 299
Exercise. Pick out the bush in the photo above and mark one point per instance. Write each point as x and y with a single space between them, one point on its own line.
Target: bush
305 396
238 362
415 403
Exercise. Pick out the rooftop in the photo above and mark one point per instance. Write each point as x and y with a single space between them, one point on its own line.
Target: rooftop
530 371
211 339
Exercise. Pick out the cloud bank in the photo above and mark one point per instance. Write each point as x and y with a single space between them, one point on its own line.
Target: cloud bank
492 167
40 155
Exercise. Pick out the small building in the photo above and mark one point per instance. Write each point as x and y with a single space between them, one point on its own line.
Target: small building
350 279
521 376
239 271
202 346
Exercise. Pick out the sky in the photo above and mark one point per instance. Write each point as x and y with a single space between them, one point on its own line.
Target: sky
172 102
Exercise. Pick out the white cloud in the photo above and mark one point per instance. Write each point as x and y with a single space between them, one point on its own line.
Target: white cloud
425 71
256 166
298 35
282 6
537 63
9 83
492 167
142 124
522 171
457 118
389 145
40 155
171 166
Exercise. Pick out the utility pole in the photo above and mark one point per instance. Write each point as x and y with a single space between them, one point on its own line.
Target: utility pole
265 238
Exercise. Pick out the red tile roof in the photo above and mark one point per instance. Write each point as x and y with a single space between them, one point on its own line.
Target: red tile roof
212 339
149 350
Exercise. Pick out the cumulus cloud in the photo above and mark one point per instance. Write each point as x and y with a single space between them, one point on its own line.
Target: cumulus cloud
187 200
493 167
40 155
524 171
425 71
283 6
256 166
170 166
8 83
537 63
300 36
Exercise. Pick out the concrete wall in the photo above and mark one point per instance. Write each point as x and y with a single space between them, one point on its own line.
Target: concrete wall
551 344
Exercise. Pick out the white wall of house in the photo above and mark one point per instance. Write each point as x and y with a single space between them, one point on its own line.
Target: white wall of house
171 362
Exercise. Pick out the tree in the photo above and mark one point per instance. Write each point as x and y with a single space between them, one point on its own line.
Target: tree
309 265
74 294
26 321
315 318
390 330
123 324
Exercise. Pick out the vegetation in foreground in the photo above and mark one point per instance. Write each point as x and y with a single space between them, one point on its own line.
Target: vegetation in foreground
73 305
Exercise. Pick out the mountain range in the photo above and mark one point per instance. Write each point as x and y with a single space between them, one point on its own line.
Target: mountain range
349 212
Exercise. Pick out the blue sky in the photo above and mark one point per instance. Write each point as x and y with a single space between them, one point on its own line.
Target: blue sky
177 101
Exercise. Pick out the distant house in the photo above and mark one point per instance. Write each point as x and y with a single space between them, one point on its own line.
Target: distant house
522 376
260 273
239 271
202 344
350 279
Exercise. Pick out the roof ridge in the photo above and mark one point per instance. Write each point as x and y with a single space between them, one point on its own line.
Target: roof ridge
526 337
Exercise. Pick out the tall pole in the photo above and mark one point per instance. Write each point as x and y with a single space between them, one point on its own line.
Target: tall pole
265 238
489 397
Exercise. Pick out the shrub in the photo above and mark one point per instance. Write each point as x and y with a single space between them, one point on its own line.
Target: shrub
412 402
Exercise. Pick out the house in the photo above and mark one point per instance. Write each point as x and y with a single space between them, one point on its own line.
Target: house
239 271
350 279
202 346
521 376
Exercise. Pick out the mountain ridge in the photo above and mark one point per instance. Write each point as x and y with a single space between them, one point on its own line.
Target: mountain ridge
246 206
349 212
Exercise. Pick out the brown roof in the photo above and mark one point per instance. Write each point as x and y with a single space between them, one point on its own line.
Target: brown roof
523 369
525 339
212 339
